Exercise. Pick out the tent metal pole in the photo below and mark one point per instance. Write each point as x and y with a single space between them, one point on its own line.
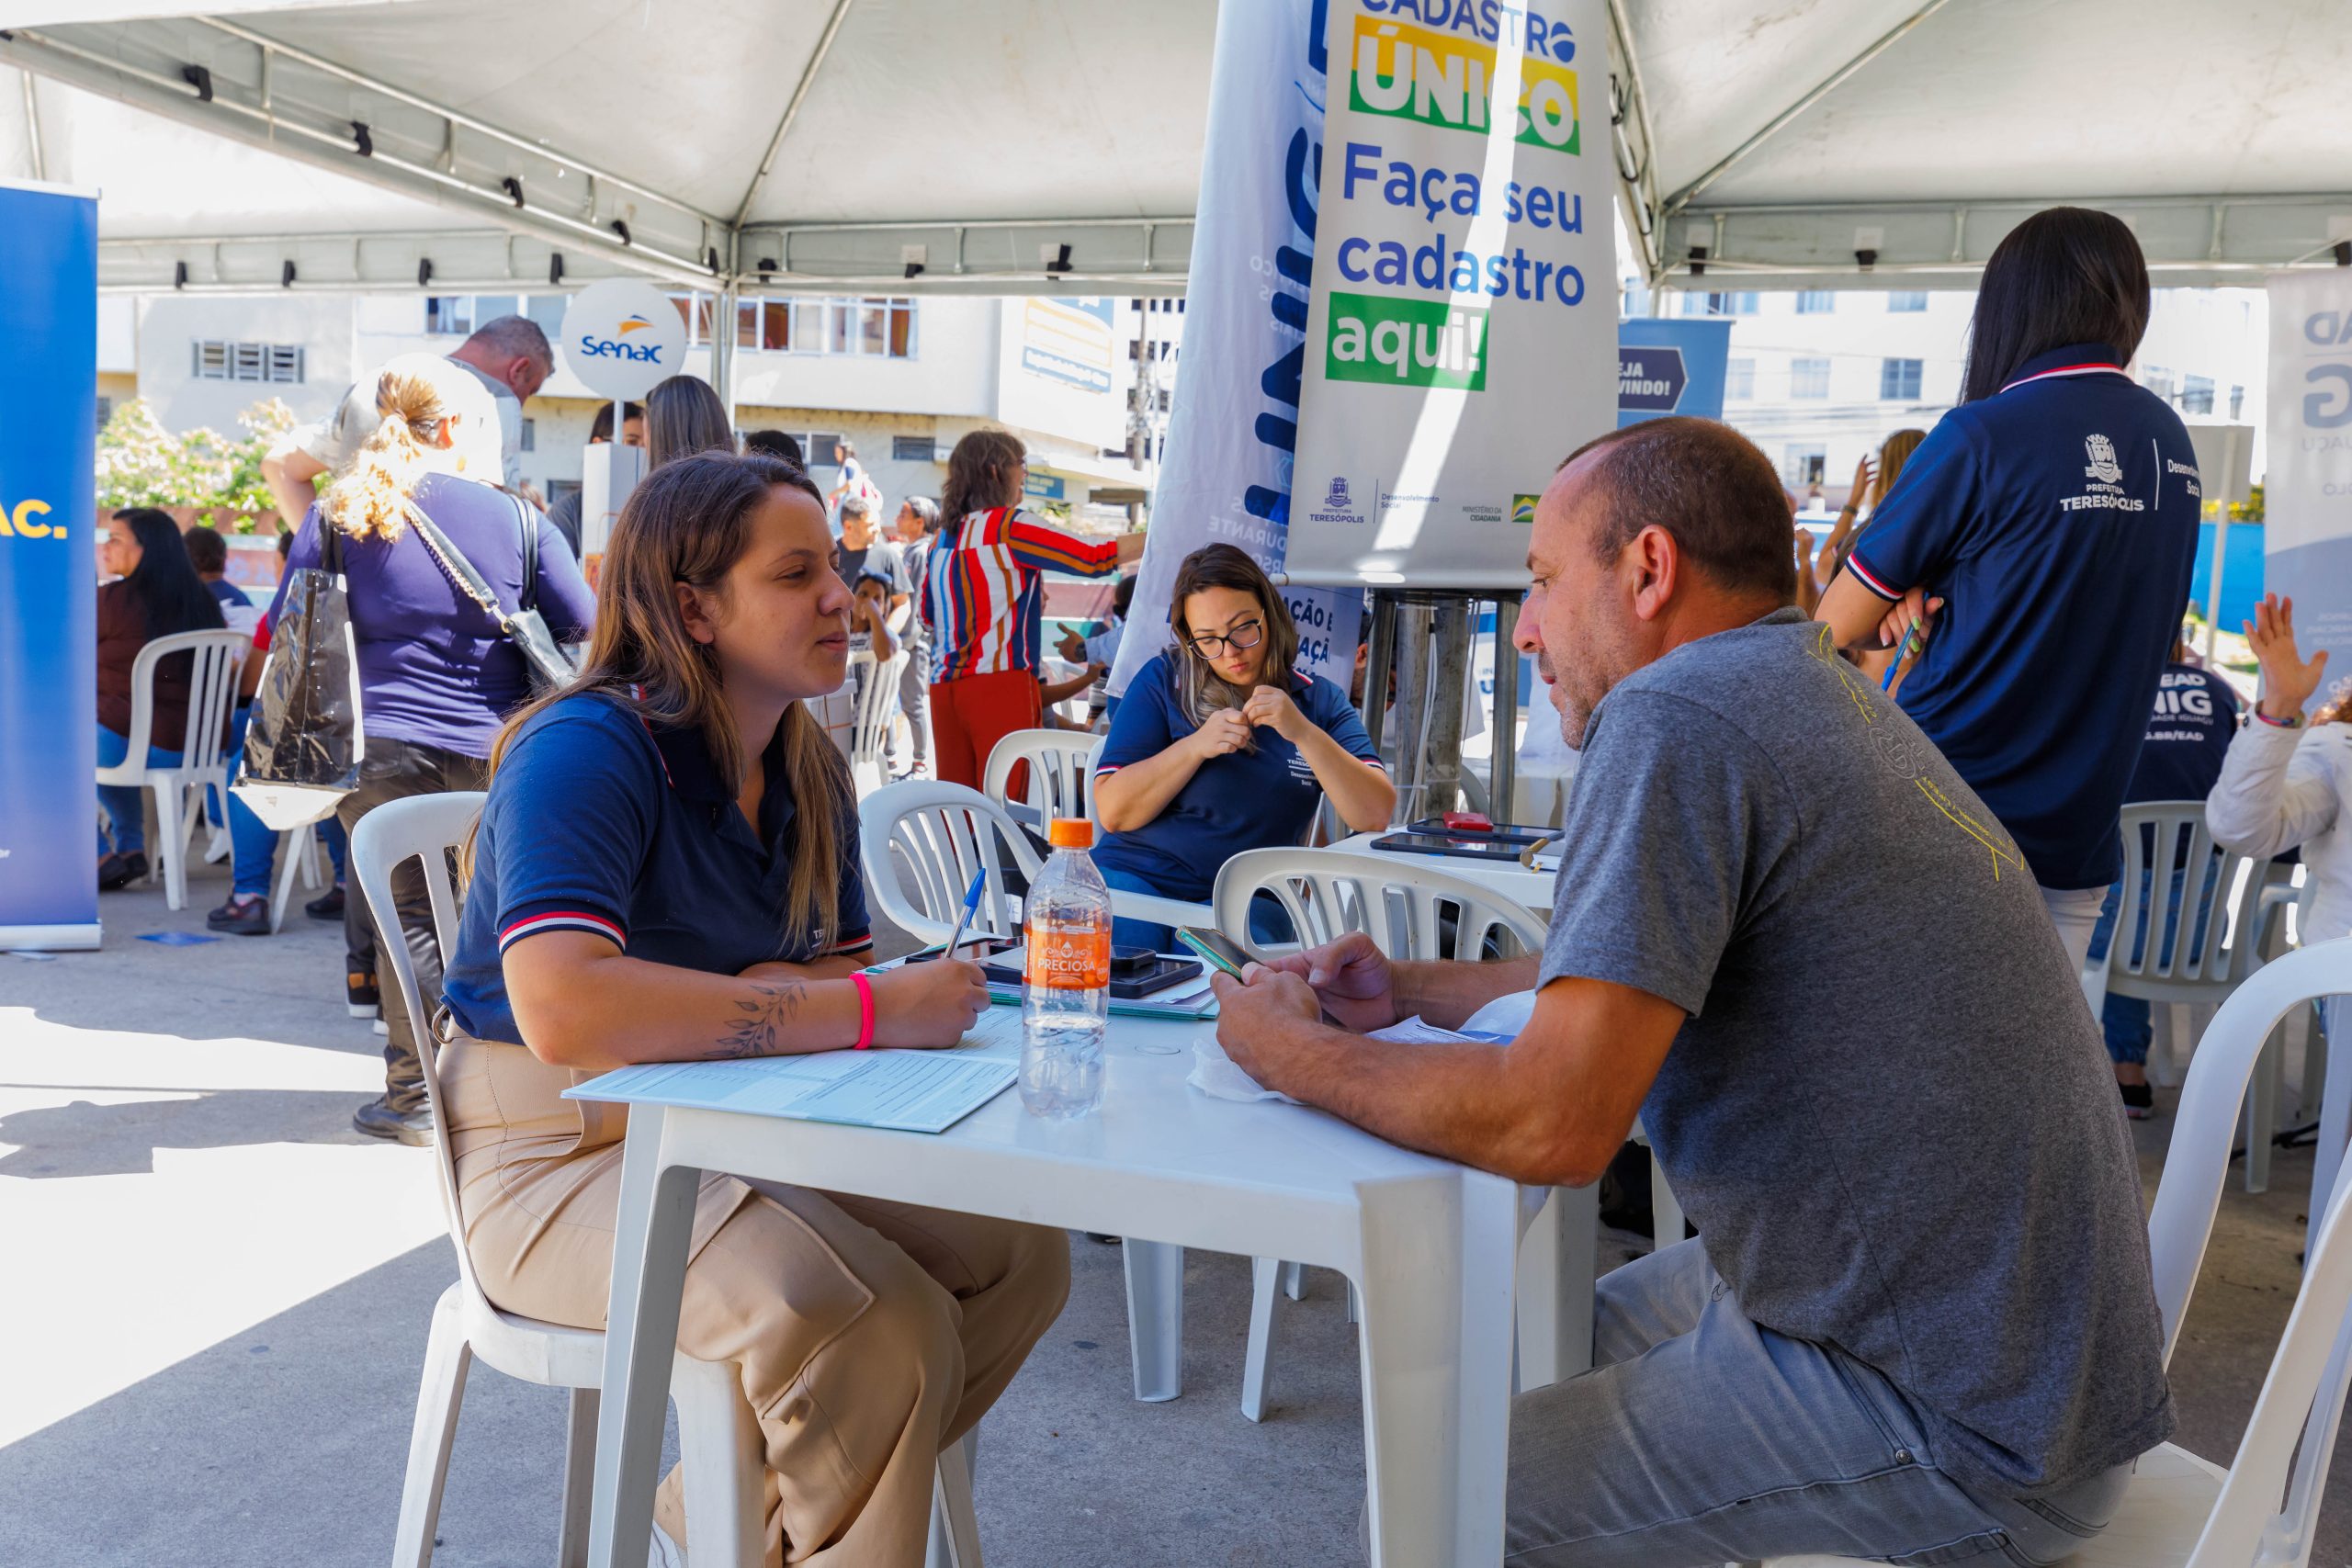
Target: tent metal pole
792 108
1502 780
1780 122
270 46
32 129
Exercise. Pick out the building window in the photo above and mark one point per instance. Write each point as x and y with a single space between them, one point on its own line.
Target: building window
106 412
817 446
1898 380
1815 302
2237 403
1904 300
1741 303
1808 377
877 326
912 449
2157 379
1806 466
2197 394
451 314
530 439
1739 381
461 315
218 361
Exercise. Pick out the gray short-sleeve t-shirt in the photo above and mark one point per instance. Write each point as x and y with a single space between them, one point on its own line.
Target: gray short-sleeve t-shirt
1889 1113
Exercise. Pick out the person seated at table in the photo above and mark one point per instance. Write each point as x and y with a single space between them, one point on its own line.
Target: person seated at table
1221 746
1915 1324
155 593
667 871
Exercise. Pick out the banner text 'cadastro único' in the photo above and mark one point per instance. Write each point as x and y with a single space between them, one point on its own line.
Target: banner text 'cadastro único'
1463 335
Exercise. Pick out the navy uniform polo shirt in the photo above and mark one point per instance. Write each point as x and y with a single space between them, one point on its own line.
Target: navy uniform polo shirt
1245 800
599 822
2057 520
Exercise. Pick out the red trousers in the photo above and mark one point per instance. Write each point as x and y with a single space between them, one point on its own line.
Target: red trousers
970 715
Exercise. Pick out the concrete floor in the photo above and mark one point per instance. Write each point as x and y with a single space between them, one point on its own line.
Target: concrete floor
217 1295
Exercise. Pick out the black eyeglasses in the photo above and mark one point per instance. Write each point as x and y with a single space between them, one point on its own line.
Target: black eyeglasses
1247 635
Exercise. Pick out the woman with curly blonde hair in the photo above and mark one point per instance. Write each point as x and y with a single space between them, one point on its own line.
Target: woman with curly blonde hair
437 674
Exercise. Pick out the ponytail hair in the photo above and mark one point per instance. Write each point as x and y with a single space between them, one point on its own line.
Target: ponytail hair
370 498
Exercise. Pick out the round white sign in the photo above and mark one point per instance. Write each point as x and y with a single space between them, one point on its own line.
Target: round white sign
622 335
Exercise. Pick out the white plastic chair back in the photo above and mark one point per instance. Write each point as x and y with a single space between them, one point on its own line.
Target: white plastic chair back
2160 838
877 705
1403 908
1061 771
939 834
218 658
421 827
2307 1380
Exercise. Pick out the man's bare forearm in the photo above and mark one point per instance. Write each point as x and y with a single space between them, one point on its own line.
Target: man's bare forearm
1447 993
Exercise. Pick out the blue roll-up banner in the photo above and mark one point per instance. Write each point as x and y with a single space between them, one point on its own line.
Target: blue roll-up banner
49 390
1666 365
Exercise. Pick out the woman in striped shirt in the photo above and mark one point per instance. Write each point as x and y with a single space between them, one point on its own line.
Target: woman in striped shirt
983 600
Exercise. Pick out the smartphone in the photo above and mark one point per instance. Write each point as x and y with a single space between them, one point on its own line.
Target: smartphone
1216 946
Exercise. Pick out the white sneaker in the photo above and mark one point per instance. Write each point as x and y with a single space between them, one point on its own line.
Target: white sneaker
664 1552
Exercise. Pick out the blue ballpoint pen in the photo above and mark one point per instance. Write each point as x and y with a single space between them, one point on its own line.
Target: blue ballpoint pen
971 908
1910 641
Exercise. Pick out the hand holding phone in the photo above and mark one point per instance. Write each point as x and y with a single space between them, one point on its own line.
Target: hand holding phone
1214 946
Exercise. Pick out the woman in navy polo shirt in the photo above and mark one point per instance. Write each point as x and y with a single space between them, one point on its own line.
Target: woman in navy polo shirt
1219 746
2045 532
667 869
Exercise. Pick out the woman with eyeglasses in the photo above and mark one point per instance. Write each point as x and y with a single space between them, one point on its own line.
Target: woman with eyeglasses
1220 746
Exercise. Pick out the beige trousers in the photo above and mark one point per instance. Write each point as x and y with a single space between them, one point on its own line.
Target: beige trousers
871 1335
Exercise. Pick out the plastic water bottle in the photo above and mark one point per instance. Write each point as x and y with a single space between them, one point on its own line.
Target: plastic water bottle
1066 997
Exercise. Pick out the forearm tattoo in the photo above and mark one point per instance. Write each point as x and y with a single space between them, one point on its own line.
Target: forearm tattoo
757 1033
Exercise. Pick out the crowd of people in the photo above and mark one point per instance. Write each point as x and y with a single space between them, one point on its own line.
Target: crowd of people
1858 1354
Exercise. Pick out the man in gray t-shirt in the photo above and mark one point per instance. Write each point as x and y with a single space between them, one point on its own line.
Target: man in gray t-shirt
1919 1315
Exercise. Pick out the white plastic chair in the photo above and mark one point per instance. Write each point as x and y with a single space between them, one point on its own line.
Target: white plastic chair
1061 771
218 656
1407 908
719 1439
877 706
2182 1511
298 850
944 833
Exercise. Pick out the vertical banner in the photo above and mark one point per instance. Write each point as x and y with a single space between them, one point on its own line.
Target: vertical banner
1226 474
2307 494
49 421
1462 333
1668 365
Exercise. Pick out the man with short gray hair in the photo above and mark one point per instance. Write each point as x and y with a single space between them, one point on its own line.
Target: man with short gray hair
510 356
1917 1322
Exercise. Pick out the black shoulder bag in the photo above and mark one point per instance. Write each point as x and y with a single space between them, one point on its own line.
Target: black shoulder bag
552 663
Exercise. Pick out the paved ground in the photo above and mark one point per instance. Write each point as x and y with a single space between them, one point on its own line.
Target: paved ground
217 1293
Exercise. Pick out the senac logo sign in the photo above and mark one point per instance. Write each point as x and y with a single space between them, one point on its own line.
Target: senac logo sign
615 349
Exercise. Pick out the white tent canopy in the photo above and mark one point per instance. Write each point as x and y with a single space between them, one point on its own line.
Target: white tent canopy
814 144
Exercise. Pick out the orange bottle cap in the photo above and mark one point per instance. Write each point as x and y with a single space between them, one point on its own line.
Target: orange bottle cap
1070 833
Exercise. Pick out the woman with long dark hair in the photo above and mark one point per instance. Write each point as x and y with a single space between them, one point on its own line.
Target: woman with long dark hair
2039 541
684 416
667 869
155 593
982 601
1221 745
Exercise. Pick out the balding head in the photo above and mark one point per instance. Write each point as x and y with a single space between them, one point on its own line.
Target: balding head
1649 538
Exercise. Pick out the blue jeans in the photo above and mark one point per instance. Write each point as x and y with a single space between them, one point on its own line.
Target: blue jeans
2126 1019
255 846
1653 1456
1267 920
125 805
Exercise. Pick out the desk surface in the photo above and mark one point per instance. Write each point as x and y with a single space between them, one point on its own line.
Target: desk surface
1531 888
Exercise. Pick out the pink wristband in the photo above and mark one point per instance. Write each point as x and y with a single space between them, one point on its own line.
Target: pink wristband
864 1010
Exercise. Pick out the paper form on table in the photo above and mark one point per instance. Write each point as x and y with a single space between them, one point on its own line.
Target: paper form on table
907 1091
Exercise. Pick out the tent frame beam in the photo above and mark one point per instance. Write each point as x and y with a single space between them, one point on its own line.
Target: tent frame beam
791 110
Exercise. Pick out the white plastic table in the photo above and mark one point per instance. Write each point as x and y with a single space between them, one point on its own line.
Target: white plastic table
1430 1246
1532 889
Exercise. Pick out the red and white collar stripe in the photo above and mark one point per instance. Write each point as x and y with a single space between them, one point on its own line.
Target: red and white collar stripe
562 920
2095 367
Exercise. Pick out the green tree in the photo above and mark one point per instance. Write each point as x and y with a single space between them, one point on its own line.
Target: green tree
141 464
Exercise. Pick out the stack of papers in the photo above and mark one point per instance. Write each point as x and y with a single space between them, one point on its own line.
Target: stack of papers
1214 1074
906 1091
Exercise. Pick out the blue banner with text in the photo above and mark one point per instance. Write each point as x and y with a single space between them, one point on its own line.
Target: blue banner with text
49 304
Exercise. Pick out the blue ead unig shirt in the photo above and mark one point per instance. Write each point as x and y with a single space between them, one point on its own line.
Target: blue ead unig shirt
1244 800
2057 520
